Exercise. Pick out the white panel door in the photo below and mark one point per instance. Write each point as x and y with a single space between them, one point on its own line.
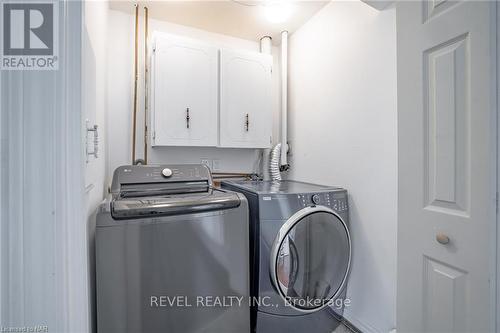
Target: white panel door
43 232
184 96
245 100
446 202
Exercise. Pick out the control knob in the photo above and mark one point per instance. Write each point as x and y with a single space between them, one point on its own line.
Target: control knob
315 199
166 172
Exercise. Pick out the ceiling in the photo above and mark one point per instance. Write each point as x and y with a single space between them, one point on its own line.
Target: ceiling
241 18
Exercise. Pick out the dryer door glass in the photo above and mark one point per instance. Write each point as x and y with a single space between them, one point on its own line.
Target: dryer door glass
312 258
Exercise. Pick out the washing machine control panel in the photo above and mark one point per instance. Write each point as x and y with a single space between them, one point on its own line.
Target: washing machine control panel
336 201
147 176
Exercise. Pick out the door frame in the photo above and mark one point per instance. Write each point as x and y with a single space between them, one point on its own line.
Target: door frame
1 222
75 253
496 225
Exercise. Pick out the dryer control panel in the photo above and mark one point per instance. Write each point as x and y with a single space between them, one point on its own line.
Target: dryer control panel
336 201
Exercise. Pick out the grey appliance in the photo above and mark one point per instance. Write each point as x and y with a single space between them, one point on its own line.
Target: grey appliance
300 254
171 253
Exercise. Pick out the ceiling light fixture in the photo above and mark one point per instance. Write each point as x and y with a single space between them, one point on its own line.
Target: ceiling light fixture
277 11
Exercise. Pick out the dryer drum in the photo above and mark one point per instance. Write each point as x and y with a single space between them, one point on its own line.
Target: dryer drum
310 258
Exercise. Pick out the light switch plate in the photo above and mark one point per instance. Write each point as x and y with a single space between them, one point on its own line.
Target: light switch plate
216 167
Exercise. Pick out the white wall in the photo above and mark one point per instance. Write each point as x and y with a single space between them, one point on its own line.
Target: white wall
342 125
120 101
95 50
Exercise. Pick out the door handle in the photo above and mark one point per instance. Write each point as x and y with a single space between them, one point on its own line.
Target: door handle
187 117
247 122
442 239
95 150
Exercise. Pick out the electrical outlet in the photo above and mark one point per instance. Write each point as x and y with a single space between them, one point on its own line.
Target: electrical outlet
216 166
207 162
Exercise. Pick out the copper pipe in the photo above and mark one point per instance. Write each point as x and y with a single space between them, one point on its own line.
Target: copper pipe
135 81
146 72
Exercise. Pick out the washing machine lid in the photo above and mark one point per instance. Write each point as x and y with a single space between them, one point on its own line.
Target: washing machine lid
310 259
172 204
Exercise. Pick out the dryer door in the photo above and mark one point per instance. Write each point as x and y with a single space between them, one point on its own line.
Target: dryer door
310 258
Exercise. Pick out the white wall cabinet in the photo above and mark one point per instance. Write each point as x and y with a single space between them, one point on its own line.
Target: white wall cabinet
184 92
188 81
245 99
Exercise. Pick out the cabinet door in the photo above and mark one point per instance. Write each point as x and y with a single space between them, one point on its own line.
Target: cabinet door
246 100
184 97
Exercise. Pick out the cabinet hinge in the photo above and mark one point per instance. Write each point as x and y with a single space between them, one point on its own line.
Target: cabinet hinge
154 135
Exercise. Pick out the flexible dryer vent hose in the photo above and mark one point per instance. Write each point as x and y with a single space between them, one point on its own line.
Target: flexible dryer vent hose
274 163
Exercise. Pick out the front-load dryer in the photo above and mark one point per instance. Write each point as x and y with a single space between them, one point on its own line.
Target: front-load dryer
300 254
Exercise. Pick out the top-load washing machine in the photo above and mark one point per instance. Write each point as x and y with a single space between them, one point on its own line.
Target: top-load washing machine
171 253
300 253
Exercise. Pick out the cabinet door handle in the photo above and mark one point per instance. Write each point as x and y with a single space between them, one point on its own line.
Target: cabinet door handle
187 118
247 122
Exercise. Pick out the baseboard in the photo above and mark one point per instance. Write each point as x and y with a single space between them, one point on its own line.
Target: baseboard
350 326
358 326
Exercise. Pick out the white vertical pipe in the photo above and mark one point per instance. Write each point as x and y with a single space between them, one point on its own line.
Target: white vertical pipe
284 96
266 47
